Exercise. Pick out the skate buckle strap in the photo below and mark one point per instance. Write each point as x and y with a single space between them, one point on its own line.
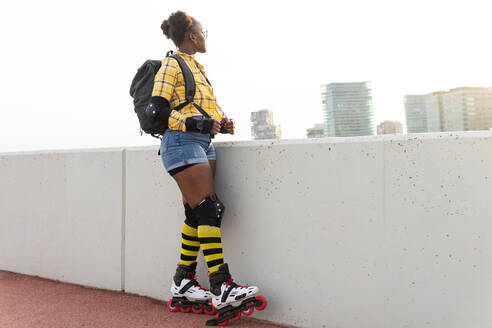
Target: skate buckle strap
232 285
226 294
190 284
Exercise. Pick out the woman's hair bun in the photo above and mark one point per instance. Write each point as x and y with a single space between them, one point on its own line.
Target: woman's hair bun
176 25
165 26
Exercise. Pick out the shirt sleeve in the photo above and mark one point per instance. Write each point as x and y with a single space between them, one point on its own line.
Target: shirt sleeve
220 111
165 80
164 84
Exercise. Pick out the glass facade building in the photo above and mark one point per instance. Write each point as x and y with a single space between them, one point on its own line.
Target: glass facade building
459 109
348 109
423 113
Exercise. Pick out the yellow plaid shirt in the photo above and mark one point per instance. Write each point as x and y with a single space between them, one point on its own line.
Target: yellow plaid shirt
169 84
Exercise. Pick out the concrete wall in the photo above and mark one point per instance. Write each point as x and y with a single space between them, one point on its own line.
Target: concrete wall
386 231
60 215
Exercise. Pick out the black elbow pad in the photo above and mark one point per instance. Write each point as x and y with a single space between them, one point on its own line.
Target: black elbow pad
151 111
158 109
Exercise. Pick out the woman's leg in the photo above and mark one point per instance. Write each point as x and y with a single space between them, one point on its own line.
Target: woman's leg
195 183
197 186
190 245
212 166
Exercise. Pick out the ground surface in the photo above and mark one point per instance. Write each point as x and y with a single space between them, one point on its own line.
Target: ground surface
27 301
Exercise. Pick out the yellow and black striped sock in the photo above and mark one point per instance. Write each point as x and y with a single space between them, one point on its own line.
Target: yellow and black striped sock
190 246
211 245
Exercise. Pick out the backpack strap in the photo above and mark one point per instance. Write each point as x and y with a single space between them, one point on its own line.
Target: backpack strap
190 85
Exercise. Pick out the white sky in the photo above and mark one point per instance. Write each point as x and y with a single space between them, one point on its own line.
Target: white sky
66 66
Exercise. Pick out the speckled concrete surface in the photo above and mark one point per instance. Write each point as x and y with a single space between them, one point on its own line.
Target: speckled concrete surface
27 301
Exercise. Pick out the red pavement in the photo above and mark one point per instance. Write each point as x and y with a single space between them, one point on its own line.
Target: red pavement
27 301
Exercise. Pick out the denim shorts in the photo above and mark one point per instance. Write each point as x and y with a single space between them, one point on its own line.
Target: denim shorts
183 148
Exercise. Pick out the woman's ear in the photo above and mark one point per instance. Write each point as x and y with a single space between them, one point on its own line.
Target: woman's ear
193 38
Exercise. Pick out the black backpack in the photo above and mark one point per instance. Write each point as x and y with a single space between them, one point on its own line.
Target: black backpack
141 92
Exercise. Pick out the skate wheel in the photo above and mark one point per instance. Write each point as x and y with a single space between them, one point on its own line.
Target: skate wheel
209 309
237 317
263 303
172 308
249 311
197 309
222 315
185 308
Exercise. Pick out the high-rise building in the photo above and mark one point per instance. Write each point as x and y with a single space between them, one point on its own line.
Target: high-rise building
348 109
262 126
467 109
434 118
318 131
423 113
415 111
389 127
459 109
454 112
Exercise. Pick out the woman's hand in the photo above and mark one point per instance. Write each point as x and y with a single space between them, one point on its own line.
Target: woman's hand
228 125
215 128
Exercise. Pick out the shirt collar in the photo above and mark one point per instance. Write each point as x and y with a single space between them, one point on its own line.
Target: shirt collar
185 55
191 57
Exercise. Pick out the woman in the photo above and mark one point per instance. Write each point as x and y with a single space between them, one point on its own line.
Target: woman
189 157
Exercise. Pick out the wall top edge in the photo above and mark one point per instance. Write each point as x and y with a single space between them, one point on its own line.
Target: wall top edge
284 142
62 151
379 138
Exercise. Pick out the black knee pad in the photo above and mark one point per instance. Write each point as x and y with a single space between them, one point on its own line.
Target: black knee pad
191 219
210 211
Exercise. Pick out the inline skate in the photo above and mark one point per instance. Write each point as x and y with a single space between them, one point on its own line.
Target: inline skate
187 293
232 300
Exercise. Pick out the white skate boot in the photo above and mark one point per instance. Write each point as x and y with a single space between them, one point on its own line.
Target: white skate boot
187 293
230 299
